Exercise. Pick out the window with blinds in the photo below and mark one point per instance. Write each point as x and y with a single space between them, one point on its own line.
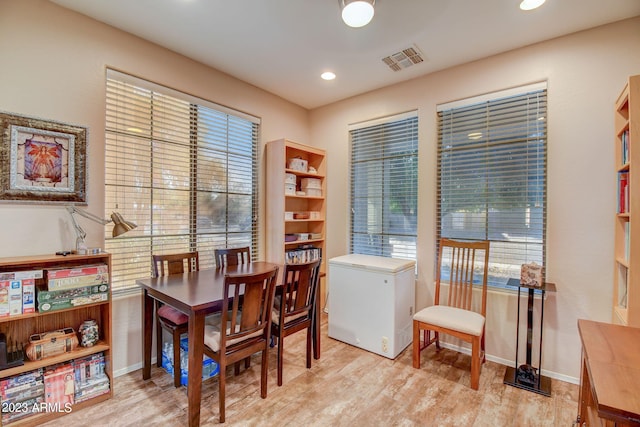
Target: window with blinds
492 159
384 187
181 168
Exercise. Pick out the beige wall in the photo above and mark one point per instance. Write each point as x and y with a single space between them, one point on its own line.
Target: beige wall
53 67
585 73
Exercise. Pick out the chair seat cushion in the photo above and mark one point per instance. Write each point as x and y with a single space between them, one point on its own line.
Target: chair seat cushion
466 321
212 333
275 313
172 315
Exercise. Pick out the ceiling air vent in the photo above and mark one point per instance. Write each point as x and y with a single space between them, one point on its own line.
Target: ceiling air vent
403 59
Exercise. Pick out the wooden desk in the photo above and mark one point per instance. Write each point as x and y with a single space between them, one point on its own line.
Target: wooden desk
610 375
196 294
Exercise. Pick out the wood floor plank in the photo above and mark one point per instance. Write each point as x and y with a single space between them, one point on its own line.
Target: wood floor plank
347 387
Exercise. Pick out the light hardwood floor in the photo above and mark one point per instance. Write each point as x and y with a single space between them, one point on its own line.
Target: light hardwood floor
346 387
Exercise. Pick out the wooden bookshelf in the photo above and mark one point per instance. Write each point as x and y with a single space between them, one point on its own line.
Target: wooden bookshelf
626 287
279 202
19 328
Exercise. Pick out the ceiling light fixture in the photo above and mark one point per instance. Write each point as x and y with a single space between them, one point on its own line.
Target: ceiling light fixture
328 75
357 13
531 4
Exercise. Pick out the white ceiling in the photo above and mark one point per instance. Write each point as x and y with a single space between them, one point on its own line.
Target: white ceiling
282 46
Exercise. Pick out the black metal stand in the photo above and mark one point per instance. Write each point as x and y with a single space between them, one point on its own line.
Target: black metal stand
527 376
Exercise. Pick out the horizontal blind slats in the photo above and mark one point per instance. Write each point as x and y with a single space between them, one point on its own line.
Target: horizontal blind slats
185 173
384 189
492 178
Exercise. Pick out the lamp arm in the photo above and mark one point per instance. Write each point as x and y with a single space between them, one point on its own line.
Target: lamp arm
73 210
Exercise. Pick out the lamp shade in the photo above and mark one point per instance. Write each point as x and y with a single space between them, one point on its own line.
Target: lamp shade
357 13
120 225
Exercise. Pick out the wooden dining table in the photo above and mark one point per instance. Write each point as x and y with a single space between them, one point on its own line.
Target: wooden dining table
197 294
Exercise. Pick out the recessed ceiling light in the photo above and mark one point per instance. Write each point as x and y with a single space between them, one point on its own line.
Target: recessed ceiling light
328 75
531 4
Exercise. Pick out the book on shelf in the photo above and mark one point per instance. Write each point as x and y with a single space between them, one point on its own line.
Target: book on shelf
15 297
302 254
77 277
623 192
59 384
28 295
68 298
58 273
624 140
21 291
77 281
21 391
627 240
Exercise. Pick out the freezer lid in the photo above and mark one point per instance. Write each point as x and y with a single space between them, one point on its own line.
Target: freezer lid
372 262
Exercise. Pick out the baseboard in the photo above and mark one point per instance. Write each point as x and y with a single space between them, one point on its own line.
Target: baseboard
131 368
500 360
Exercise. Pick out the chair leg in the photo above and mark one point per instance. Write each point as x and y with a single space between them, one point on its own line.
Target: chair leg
280 357
265 369
310 333
475 363
176 359
416 344
221 391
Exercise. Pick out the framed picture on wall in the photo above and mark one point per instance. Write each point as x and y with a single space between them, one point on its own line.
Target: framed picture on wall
42 161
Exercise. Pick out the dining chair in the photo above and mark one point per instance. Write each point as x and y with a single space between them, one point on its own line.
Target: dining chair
232 256
294 306
459 264
168 318
246 329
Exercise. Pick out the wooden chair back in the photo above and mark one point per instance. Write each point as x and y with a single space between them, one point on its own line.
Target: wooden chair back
295 307
252 318
164 265
299 292
464 262
232 256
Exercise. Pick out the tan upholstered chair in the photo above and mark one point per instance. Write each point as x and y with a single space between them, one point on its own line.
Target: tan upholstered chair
294 306
246 331
452 314
168 318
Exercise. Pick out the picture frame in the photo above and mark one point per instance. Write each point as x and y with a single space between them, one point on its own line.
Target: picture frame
42 161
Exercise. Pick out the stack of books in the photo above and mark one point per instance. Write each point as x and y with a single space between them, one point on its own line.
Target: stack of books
72 287
303 254
90 377
22 395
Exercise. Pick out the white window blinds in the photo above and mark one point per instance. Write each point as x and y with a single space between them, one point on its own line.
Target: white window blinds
384 187
492 155
183 169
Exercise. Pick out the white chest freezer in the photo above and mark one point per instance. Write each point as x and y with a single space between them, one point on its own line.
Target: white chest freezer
371 302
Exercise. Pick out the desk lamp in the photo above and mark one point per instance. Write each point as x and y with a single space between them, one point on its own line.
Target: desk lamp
120 226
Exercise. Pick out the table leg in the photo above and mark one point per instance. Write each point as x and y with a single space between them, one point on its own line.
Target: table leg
147 328
196 347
